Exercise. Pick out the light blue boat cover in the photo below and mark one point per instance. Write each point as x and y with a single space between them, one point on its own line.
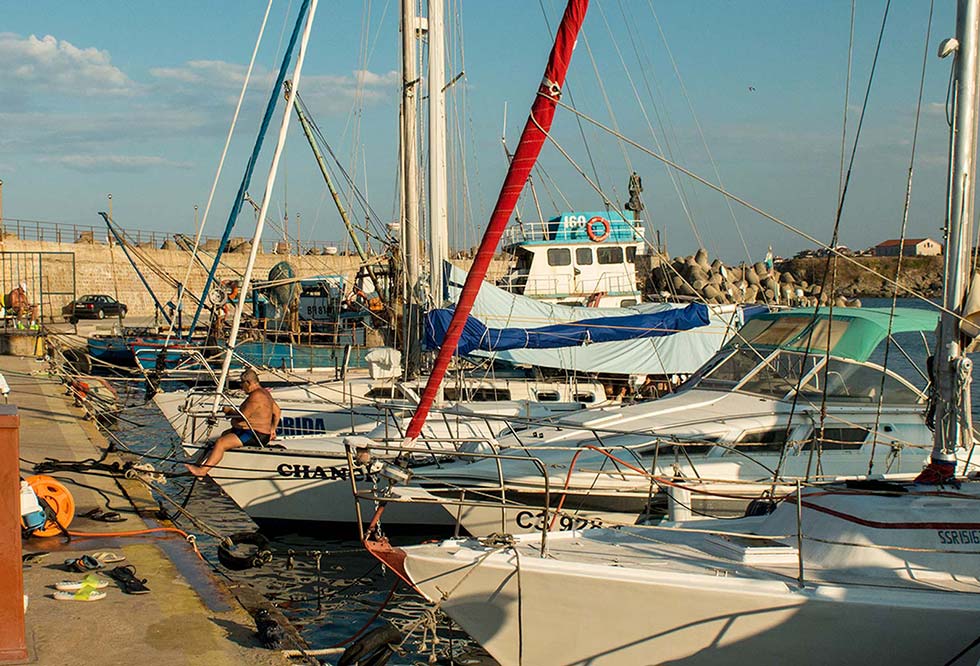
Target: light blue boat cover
680 353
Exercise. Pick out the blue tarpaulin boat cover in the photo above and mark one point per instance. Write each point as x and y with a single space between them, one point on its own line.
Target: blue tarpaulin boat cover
681 353
476 335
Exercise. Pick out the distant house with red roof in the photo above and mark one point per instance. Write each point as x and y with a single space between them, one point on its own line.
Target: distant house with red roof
912 247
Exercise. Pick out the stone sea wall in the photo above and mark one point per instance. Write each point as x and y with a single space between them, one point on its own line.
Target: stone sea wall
100 269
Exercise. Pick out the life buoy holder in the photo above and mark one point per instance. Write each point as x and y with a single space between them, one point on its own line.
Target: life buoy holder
590 229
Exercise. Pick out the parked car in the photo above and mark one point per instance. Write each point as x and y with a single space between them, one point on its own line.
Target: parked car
93 306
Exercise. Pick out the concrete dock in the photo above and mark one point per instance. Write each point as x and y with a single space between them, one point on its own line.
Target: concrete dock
189 617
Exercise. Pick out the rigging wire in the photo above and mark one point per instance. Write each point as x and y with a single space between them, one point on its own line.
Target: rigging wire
755 209
697 124
567 90
905 220
643 69
221 160
832 256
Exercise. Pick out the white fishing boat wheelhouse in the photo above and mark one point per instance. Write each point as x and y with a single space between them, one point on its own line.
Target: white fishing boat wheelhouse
578 258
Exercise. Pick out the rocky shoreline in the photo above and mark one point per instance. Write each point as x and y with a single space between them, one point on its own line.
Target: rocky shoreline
791 282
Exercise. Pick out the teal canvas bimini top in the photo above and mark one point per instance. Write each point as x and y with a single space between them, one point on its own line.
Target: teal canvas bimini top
853 333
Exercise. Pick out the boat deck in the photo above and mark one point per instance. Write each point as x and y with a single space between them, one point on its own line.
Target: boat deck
648 550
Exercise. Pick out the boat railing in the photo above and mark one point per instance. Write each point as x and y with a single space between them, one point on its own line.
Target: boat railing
559 285
621 231
396 473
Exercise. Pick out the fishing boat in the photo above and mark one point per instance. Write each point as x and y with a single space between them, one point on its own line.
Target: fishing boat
860 572
583 259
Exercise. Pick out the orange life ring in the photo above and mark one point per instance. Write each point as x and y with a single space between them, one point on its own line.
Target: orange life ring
593 236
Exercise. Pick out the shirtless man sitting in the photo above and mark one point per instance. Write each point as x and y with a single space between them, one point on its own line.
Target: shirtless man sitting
253 423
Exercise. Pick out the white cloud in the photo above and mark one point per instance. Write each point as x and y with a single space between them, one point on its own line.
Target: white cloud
114 162
329 93
48 64
367 78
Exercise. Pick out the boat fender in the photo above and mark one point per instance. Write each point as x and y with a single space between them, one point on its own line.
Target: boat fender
78 360
255 554
374 648
270 633
594 236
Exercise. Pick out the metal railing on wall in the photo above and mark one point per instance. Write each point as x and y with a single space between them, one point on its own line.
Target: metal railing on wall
48 278
63 232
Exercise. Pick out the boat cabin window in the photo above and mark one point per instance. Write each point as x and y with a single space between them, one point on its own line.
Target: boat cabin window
384 393
860 382
547 396
729 369
583 256
791 331
772 440
584 397
483 394
559 256
780 374
631 254
837 439
627 303
609 255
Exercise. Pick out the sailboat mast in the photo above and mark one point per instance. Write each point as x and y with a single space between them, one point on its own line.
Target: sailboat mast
951 364
438 198
266 199
528 148
411 258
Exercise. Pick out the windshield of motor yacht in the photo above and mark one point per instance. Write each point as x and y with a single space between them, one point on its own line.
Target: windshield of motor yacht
777 373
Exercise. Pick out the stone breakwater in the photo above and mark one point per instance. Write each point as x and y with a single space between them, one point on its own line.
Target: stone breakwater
792 282
96 268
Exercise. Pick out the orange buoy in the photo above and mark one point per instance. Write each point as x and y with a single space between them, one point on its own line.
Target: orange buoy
58 497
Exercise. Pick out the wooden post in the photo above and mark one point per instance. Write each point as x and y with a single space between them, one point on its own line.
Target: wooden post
13 638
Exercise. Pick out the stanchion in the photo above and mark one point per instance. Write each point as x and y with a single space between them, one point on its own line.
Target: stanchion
13 640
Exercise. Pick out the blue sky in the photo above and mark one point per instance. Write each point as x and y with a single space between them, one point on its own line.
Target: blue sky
135 99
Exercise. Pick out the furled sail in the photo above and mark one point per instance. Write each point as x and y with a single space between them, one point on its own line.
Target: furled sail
532 139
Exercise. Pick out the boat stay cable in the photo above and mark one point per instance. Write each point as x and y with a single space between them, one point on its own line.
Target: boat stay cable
890 281
830 265
905 220
642 68
217 175
266 199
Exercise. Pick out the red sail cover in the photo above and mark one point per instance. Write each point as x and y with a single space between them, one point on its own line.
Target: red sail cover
528 149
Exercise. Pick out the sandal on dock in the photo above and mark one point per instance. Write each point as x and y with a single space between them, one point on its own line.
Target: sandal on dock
126 577
106 557
83 564
84 594
104 516
27 559
90 580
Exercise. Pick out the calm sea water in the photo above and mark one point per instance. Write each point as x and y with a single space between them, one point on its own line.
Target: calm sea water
326 603
329 602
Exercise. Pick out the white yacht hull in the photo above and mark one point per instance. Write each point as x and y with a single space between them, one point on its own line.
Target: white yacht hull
669 618
282 486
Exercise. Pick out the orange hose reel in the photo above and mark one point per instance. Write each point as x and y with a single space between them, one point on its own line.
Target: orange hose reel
58 498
